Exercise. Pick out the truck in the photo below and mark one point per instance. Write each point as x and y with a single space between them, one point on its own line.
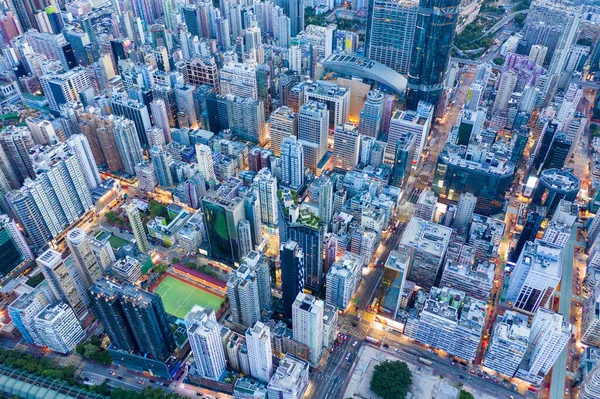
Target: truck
372 340
425 361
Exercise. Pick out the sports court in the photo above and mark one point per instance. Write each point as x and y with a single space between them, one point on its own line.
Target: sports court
179 297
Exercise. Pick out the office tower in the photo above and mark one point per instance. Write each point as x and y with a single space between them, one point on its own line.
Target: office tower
205 164
85 260
334 96
12 239
343 279
550 333
432 45
403 159
134 111
292 274
590 320
161 161
346 144
146 176
239 80
62 88
246 118
508 344
155 137
80 145
464 213
391 32
284 123
538 53
16 142
243 293
313 122
392 282
23 204
134 319
426 205
99 131
54 47
135 220
370 116
252 211
161 118
506 87
307 323
205 340
292 163
128 143
535 276
417 122
325 189
530 229
290 380
258 341
458 333
58 328
267 191
23 311
244 231
470 124
284 31
295 10
543 145
590 386
221 217
185 102
553 186
428 242
64 281
42 131
263 84
559 150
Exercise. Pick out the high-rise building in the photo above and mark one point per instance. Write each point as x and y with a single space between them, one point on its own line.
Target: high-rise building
292 274
532 225
290 380
23 311
313 122
284 123
239 80
205 340
369 123
221 218
508 344
590 320
12 239
555 185
469 125
16 143
258 342
85 259
162 168
550 333
205 164
146 176
64 281
432 45
58 328
135 220
346 144
391 32
535 276
392 282
62 88
506 87
244 230
428 243
128 143
185 102
244 291
267 192
343 279
417 122
307 323
464 212
80 145
295 10
335 97
161 118
292 163
134 111
590 386
325 189
403 158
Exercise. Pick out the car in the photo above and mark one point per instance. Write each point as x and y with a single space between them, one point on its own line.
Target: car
141 382
111 372
199 393
386 346
120 377
354 344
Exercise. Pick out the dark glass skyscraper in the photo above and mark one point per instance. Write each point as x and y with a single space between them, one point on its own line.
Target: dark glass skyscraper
292 274
434 36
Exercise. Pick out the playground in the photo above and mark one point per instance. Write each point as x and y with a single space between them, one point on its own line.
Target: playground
179 296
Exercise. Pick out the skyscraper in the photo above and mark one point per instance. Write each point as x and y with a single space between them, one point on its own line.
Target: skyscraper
243 293
221 218
369 123
292 163
205 340
134 111
417 122
58 328
292 274
162 168
128 143
391 32
432 45
85 259
135 220
313 122
284 123
258 341
80 145
343 279
205 164
307 323
267 191
464 212
295 10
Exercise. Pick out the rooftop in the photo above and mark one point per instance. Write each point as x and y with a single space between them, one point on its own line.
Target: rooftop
426 236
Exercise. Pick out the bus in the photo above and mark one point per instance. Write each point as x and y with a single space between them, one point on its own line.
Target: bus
425 361
372 340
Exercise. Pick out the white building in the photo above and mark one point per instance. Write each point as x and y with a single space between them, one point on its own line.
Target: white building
336 98
536 275
23 311
292 163
590 321
146 175
161 118
128 142
290 381
205 340
417 122
284 123
59 328
550 333
508 81
346 144
307 323
590 386
426 204
267 192
128 269
135 220
85 259
258 342
464 212
239 79
69 84
205 164
313 122
369 123
343 279
508 343
79 144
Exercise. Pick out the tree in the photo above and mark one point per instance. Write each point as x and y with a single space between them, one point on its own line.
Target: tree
391 380
465 395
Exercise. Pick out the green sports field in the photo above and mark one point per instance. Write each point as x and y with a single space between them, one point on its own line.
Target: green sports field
179 297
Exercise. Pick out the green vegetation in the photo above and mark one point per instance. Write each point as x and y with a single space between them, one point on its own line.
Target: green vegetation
465 395
585 42
310 18
499 61
42 367
469 39
594 130
92 350
523 5
158 209
35 280
160 268
391 380
520 19
114 218
117 242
